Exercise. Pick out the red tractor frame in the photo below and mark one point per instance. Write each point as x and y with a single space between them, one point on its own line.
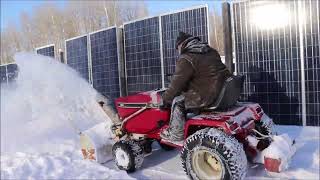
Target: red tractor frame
218 141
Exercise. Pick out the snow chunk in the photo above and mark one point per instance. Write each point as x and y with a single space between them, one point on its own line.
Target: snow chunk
280 148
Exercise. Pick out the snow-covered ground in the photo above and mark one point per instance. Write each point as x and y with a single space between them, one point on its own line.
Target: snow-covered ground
49 104
304 164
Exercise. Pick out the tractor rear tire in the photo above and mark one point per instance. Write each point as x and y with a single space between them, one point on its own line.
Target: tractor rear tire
212 154
128 155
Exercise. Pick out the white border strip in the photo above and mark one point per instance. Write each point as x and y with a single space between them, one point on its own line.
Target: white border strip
103 29
46 46
139 19
7 64
185 9
76 37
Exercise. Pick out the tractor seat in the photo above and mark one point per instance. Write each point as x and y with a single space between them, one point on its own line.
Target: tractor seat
229 94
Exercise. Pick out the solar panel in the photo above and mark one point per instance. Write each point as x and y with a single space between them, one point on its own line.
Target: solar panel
193 21
3 74
8 72
142 55
77 55
12 72
106 62
270 59
46 50
312 61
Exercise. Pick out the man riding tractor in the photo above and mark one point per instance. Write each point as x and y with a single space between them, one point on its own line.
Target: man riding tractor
198 79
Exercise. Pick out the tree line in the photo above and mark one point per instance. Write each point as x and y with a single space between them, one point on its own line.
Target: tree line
50 24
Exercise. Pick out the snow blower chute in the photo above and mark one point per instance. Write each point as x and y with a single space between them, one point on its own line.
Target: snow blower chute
218 141
96 142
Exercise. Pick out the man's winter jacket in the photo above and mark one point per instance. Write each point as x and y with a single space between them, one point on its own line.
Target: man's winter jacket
199 75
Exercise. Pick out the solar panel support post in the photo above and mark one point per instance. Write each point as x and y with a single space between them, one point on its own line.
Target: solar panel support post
234 61
121 62
161 53
61 54
65 54
227 31
7 74
89 60
302 59
208 25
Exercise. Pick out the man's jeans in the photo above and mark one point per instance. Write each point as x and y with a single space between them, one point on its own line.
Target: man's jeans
178 118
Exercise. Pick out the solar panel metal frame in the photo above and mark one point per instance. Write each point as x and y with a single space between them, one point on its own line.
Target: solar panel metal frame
121 71
46 46
301 55
124 46
88 54
175 12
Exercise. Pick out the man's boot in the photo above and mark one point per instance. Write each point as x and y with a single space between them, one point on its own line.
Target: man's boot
175 132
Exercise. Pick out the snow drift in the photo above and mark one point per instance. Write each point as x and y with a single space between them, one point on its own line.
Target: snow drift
43 112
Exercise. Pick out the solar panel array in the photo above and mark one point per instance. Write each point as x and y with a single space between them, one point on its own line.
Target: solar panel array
105 62
46 51
77 55
312 61
142 47
142 55
193 21
271 60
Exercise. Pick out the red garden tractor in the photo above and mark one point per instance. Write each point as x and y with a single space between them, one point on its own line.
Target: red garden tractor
218 141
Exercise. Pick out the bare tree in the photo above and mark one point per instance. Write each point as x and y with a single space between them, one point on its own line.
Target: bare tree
132 10
50 24
10 43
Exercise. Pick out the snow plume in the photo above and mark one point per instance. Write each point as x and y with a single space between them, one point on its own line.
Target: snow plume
47 106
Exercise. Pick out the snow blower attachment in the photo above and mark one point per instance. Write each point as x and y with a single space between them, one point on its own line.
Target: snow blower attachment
218 141
278 154
96 142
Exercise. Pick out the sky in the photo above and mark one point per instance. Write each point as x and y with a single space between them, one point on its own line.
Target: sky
11 9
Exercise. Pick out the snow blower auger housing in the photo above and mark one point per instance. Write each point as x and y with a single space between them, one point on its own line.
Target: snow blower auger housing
217 142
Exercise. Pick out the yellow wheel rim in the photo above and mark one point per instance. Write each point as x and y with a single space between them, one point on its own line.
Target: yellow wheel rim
207 165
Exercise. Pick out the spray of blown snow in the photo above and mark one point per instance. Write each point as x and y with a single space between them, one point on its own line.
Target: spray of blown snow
46 107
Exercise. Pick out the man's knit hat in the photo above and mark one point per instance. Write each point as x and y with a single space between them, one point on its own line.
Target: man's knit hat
182 37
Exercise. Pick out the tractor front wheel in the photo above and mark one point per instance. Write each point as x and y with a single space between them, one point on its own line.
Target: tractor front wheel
212 154
128 155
